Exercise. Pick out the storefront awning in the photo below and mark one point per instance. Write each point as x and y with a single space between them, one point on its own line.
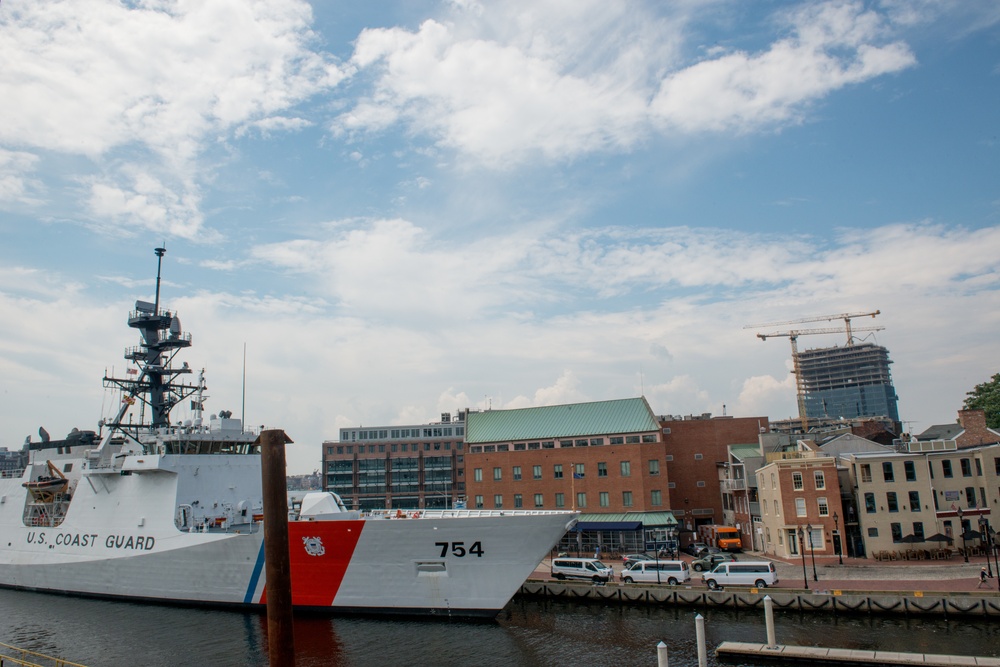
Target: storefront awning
607 525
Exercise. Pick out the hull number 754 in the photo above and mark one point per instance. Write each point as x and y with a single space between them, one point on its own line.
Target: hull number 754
459 549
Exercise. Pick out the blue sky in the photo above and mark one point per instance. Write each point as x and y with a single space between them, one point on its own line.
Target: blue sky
407 208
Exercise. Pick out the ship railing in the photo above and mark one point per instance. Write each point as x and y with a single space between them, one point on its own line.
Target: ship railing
456 514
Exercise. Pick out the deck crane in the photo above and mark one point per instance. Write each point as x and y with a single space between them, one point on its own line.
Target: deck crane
793 336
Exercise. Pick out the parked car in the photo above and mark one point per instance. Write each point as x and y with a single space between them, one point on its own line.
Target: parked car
759 574
671 572
628 559
695 548
708 562
581 568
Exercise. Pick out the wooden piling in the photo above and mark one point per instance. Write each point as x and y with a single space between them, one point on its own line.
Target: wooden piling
280 638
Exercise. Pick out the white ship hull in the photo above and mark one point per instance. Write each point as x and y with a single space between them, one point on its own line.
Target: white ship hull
120 539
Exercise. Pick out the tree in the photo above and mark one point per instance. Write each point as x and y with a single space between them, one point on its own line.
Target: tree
986 397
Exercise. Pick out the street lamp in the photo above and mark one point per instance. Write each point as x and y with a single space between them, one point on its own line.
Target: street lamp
993 547
984 536
802 549
837 544
961 527
812 550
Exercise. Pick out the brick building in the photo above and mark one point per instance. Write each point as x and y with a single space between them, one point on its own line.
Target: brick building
604 458
407 467
799 494
696 451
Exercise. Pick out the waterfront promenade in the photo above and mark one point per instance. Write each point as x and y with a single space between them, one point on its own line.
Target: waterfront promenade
856 574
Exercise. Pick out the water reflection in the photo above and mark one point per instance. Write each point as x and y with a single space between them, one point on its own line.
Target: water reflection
530 633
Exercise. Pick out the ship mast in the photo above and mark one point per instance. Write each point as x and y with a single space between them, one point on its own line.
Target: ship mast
158 385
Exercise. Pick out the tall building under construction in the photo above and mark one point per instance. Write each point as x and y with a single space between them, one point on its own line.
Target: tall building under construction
847 382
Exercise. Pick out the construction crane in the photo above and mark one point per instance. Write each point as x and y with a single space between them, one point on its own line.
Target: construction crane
793 337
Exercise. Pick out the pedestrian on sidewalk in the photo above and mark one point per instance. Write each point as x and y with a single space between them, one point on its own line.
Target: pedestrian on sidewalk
982 577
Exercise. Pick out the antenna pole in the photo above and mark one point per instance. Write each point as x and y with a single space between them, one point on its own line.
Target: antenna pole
160 252
243 406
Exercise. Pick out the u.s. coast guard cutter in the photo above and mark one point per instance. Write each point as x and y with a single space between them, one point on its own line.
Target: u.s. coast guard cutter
150 510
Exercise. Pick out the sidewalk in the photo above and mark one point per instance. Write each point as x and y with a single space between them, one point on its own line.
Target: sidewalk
857 574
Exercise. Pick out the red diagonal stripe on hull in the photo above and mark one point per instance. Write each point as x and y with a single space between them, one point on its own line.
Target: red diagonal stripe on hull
316 578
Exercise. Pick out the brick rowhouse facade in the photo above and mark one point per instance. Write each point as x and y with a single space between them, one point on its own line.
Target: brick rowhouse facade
694 447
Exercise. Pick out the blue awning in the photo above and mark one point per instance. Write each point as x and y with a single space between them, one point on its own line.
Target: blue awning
607 525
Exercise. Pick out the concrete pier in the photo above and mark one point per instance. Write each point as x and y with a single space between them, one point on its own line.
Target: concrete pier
797 655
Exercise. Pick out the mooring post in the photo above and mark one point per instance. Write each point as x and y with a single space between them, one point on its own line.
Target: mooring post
280 637
662 659
769 621
699 627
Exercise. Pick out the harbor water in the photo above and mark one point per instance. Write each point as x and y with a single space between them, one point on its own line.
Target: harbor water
100 633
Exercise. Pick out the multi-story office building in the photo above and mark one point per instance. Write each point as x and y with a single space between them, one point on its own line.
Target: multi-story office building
408 467
847 382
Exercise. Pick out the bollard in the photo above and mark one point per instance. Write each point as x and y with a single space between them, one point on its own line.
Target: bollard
280 639
662 659
699 626
769 621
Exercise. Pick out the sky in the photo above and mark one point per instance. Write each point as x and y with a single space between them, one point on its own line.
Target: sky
375 213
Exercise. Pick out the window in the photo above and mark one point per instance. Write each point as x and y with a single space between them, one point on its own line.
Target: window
820 479
604 500
538 500
557 471
910 469
617 440
946 468
887 474
518 502
655 498
536 472
866 472
970 497
914 501
996 465
824 507
699 457
897 532
918 530
626 467
654 467
581 500
979 467
776 512
773 485
498 501
890 501
870 503
477 475
966 467
517 473
800 507
578 469
627 498
479 502
602 469
873 532
797 481
631 440
497 474
560 500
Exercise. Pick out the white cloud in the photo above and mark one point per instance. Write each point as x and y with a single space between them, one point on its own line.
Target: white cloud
507 83
157 80
15 184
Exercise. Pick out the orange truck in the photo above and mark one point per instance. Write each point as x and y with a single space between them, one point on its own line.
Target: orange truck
726 538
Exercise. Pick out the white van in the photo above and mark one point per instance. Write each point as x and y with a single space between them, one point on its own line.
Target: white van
670 572
581 568
760 574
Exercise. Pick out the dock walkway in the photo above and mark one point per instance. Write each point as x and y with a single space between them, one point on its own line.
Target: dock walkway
797 655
